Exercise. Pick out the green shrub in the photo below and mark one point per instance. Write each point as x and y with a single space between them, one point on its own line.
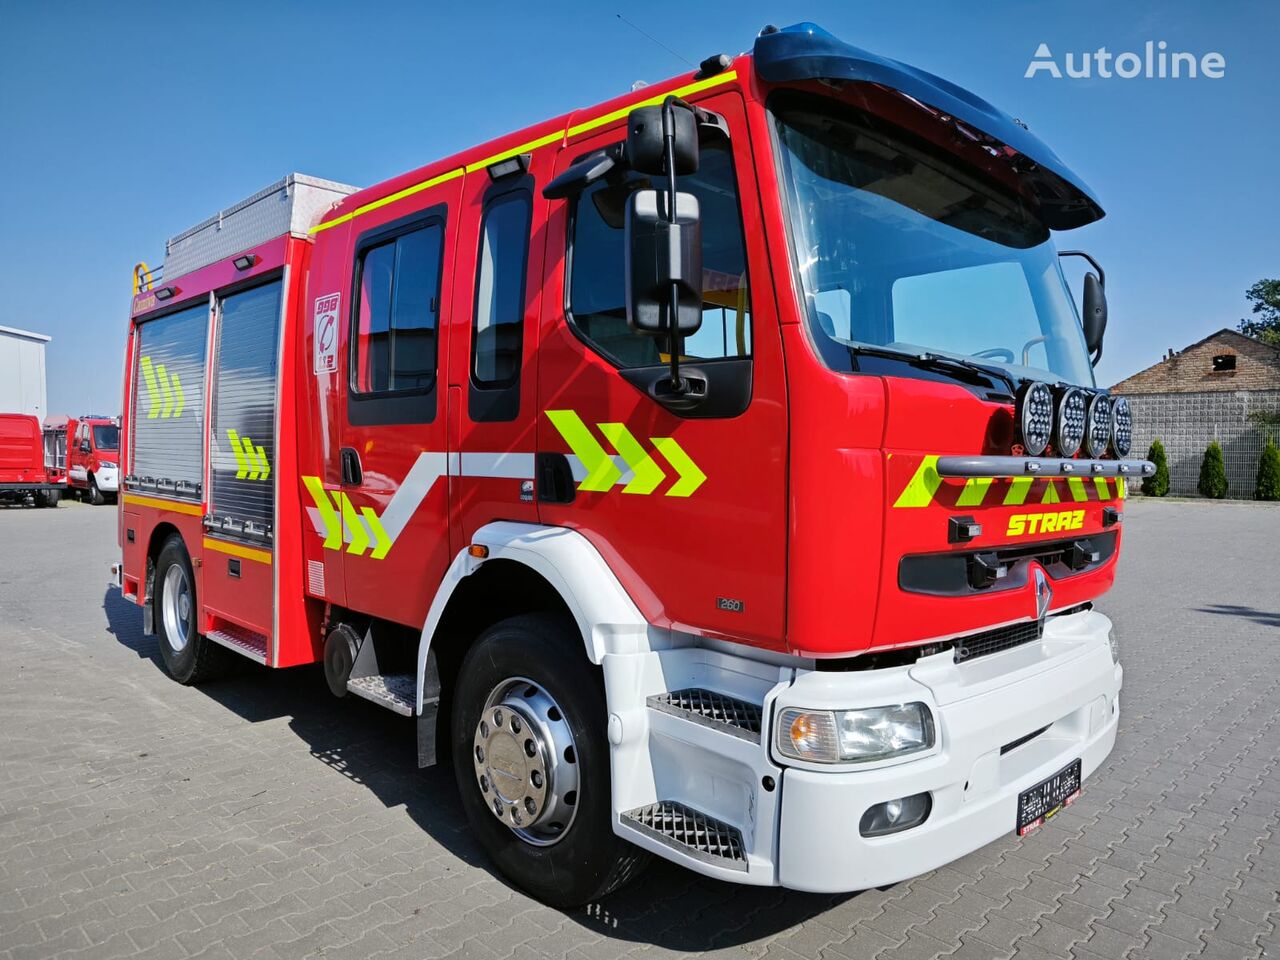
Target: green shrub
1268 487
1157 485
1213 473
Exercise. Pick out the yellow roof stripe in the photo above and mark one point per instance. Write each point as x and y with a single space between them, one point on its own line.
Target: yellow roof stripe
236 550
587 125
160 503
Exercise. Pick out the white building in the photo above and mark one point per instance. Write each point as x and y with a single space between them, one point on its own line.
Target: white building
22 381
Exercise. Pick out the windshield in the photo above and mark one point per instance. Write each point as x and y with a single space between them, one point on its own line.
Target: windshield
903 247
106 437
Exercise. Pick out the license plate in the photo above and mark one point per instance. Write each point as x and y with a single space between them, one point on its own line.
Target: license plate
1047 797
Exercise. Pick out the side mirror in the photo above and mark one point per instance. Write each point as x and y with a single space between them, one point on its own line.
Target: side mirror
664 264
647 136
1093 315
84 447
1094 318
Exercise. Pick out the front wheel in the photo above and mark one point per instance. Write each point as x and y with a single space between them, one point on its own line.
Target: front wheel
532 762
95 495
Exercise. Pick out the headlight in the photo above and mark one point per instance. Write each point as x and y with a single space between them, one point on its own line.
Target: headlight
1035 417
855 736
1098 432
1069 432
1121 426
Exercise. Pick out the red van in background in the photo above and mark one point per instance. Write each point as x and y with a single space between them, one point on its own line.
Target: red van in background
23 472
93 458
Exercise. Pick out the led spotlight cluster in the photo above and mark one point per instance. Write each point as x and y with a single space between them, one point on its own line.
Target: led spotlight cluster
1035 417
1068 434
1098 433
1121 426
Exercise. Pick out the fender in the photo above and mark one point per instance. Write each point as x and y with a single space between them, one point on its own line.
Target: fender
608 619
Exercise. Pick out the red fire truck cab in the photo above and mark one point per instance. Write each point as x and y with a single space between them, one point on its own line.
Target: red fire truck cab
25 471
758 529
93 457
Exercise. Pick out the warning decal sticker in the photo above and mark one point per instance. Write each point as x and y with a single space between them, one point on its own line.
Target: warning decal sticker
326 334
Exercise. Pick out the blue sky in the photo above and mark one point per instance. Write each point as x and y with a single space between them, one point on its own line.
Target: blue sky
120 126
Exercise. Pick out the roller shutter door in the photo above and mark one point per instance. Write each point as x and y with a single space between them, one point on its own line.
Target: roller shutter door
168 404
242 444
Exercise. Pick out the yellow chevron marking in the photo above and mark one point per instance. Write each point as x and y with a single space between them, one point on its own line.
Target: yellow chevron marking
1051 493
1122 487
381 542
646 475
691 477
359 535
163 377
602 472
1104 491
149 378
922 486
1076 486
975 489
332 522
242 465
182 399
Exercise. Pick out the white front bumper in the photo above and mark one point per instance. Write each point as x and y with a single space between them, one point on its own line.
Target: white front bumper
1067 682
108 479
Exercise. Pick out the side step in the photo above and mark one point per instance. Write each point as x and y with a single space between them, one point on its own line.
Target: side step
395 691
690 832
246 642
710 709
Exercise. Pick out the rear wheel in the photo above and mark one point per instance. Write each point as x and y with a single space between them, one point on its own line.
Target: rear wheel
532 762
188 656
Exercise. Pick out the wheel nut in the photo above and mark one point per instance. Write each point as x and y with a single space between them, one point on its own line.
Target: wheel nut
515 815
497 806
479 753
484 730
497 718
530 748
530 806
536 779
515 724
484 784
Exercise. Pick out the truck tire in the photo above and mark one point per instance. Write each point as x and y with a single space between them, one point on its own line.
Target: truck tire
532 762
47 498
188 656
95 495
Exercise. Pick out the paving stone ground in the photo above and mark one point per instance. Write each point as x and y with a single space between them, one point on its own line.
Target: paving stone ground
258 817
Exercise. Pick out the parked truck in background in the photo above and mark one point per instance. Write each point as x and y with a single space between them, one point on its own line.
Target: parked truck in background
26 477
93 458
717 473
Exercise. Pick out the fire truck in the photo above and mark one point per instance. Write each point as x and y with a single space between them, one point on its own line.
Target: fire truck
717 473
93 457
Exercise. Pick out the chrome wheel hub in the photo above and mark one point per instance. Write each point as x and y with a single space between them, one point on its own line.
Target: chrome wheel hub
526 762
176 608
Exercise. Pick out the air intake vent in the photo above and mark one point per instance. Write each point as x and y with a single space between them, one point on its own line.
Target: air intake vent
738 717
994 641
692 833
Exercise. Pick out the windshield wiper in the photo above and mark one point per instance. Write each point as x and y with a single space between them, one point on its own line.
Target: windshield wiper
934 361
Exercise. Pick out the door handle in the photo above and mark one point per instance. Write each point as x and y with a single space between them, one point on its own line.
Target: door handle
351 472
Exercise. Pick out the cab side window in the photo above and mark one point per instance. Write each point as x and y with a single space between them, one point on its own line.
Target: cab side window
597 307
395 337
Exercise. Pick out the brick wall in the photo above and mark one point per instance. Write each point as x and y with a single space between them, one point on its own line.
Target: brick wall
1257 367
1186 422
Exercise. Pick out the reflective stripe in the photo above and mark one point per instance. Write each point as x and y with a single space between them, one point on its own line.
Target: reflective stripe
1076 486
236 550
1104 491
1018 491
922 486
975 488
545 140
1051 494
177 506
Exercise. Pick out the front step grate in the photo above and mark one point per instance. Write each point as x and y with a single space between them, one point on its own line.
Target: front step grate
252 645
395 691
692 833
711 709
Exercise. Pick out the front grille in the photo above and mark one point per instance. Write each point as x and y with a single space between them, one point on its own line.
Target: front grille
691 832
711 708
994 641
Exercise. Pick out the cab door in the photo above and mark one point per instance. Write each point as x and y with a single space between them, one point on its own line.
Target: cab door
392 500
492 374
688 508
